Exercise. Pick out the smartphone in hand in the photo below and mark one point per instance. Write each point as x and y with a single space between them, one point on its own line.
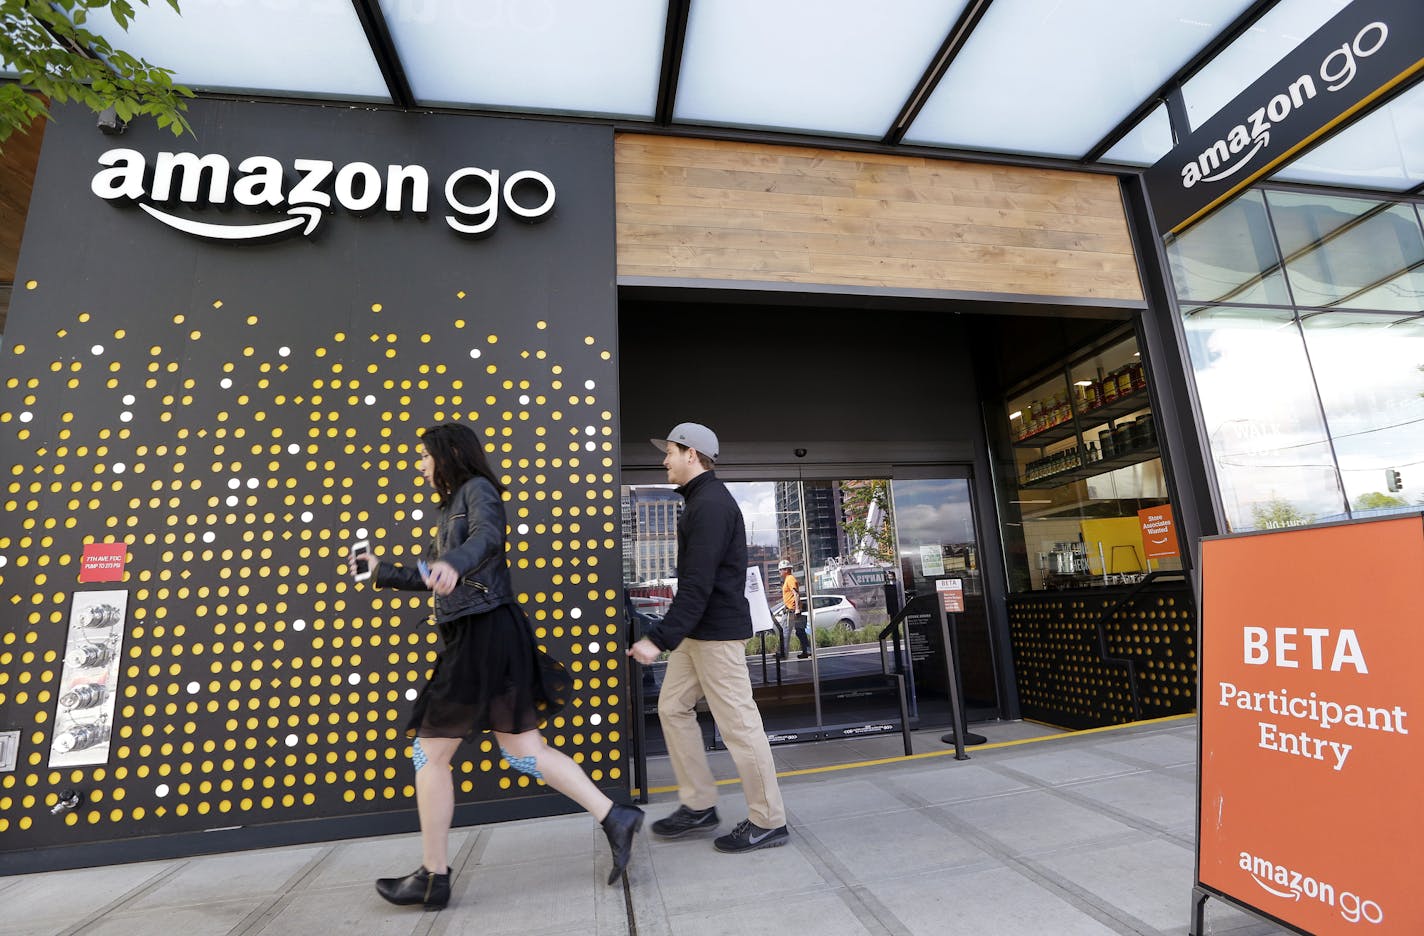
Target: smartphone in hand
363 568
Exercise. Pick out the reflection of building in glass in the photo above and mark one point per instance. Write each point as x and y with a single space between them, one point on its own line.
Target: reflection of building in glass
650 533
766 558
625 510
825 533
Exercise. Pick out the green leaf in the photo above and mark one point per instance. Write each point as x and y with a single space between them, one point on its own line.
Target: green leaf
53 63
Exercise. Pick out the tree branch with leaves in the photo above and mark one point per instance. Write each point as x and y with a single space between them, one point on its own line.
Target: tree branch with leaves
856 499
58 60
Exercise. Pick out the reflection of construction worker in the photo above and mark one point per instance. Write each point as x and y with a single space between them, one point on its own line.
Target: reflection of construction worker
791 610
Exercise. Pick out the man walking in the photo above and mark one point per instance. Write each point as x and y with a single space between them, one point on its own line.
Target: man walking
706 629
791 612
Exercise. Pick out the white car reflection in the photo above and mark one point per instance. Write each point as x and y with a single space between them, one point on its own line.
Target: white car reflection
834 611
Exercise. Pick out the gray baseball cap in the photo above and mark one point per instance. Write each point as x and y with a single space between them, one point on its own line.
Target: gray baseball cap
693 436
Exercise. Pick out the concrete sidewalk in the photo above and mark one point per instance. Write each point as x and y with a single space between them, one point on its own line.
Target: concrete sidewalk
1072 834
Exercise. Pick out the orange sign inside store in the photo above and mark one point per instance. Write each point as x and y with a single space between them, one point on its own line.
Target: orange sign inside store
1311 750
1159 532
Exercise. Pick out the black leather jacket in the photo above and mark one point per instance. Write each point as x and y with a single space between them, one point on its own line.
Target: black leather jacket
470 538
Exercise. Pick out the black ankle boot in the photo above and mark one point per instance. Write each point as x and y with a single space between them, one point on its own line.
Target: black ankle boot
417 887
620 825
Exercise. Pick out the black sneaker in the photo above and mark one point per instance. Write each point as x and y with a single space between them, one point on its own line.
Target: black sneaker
748 836
686 820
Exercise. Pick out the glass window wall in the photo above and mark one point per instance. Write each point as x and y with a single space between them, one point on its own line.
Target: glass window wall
1264 425
1310 383
1230 256
1350 253
1370 371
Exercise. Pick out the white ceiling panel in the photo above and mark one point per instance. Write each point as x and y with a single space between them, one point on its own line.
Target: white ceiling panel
1145 143
562 56
826 66
297 47
1053 77
1382 150
1270 39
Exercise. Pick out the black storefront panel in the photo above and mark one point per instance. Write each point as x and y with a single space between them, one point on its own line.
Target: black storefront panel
220 358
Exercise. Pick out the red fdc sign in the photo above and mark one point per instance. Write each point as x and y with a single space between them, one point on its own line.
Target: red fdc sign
103 562
951 594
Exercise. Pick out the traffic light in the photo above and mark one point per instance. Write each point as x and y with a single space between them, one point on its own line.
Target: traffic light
1392 480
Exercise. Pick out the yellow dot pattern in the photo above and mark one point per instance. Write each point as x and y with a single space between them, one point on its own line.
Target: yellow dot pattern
237 456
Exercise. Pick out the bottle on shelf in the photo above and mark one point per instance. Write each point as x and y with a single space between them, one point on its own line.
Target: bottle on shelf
1139 376
1124 380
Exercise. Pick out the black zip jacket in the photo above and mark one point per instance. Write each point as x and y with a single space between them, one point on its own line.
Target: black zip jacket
711 600
470 538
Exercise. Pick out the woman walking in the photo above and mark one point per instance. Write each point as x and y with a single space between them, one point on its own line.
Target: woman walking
490 676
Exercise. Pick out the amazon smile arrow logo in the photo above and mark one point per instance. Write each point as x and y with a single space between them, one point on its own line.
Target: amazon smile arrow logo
240 232
262 182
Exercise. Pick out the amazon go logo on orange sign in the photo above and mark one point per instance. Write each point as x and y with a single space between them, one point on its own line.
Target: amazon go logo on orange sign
473 195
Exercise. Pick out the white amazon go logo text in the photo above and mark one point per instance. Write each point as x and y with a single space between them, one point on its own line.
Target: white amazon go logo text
315 185
1338 69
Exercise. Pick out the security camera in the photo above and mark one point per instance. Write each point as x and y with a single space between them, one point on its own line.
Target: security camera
799 453
110 123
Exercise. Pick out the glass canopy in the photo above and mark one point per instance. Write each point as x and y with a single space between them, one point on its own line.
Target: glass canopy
1021 77
1383 150
311 47
826 66
559 56
1270 39
1043 76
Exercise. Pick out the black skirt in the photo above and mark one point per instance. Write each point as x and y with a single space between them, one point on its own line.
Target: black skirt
489 677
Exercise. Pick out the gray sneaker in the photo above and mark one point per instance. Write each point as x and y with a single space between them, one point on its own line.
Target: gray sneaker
685 820
748 836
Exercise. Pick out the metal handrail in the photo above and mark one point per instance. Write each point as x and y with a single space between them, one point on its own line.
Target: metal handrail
893 630
633 680
1100 626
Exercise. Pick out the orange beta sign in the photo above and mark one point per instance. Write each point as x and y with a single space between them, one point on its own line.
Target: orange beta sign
1310 739
1159 532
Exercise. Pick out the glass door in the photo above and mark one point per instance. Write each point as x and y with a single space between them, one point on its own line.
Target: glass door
830 557
936 539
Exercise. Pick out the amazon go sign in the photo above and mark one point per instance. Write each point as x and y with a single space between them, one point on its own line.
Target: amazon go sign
309 189
1337 69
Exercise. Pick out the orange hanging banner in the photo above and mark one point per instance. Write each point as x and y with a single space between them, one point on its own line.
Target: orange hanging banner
1310 749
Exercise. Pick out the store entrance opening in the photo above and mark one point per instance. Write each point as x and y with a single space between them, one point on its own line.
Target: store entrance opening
849 439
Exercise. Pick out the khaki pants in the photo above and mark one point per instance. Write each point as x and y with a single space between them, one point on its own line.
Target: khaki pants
717 670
